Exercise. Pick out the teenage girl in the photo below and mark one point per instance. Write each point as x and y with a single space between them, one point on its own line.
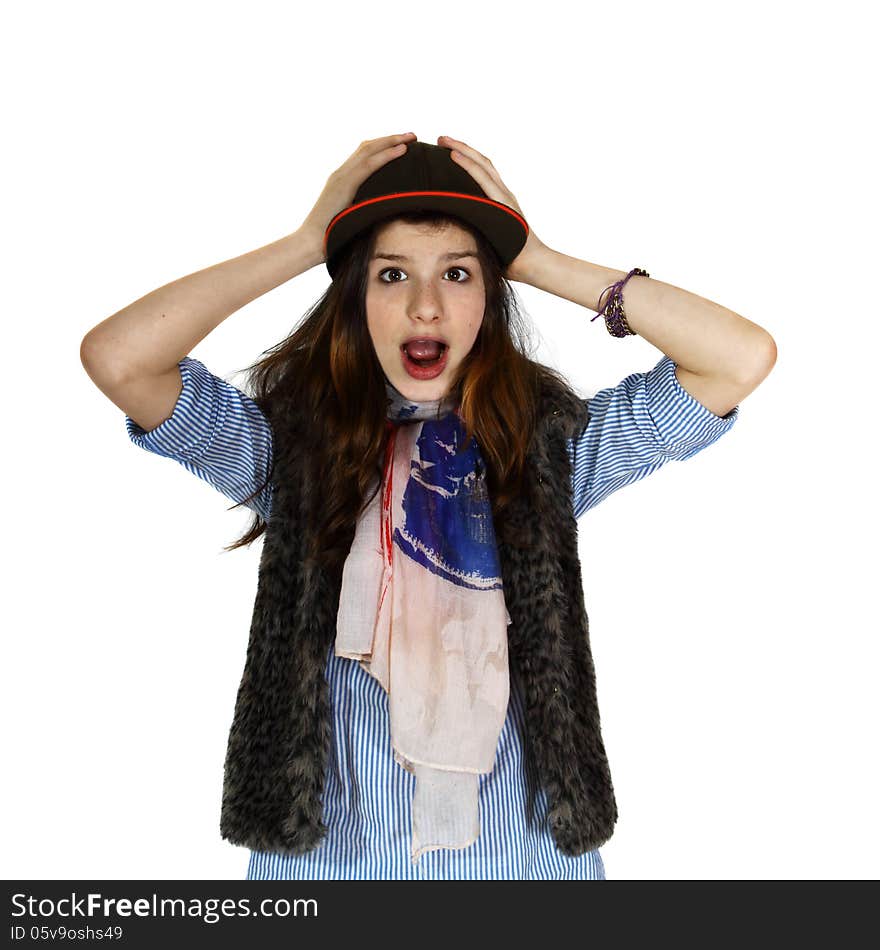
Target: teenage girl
430 276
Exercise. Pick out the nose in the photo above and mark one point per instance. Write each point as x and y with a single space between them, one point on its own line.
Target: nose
425 303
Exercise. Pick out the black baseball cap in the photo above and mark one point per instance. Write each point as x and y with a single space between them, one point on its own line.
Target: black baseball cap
425 177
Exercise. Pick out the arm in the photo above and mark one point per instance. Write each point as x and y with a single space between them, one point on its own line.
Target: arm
217 433
636 427
721 357
133 356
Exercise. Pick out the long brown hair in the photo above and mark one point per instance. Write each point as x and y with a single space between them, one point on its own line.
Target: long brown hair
328 369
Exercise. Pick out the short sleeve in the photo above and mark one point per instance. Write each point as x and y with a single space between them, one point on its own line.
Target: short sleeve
217 433
635 427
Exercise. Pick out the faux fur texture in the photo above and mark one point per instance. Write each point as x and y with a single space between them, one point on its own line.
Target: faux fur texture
280 737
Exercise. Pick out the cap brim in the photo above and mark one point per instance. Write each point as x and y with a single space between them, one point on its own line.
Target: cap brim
503 226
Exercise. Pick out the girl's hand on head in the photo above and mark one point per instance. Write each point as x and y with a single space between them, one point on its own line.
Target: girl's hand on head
483 172
342 184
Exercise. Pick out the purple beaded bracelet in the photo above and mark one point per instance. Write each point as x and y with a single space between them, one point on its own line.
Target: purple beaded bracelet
615 318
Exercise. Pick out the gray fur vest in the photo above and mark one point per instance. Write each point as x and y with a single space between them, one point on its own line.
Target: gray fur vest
280 738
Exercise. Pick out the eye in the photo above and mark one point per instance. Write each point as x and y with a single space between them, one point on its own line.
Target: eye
397 270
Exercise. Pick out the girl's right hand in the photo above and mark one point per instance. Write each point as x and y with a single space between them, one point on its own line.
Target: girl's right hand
342 184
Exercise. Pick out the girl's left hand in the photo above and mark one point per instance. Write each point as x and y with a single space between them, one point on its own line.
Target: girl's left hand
483 172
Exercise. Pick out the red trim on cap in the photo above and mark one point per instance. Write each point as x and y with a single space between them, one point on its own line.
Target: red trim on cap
407 194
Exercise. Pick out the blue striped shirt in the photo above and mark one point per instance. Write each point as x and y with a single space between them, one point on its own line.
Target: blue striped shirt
218 433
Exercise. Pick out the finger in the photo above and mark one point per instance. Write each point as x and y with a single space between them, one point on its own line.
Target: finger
386 141
374 153
476 157
485 176
467 149
479 173
378 159
488 179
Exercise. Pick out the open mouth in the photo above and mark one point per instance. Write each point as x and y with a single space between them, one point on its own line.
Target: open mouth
422 368
432 361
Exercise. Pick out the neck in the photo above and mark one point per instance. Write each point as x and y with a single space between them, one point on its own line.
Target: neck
403 409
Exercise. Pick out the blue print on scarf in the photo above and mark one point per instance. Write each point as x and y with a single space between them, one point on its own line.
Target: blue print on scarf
447 512
405 412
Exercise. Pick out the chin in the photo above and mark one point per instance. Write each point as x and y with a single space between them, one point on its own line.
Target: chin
426 391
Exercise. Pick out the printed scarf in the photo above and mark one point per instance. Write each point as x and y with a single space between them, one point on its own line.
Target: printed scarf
422 609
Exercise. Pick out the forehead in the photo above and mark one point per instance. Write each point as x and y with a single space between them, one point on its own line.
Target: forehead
395 235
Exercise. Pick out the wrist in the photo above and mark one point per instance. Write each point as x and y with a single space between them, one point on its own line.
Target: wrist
531 262
310 245
567 277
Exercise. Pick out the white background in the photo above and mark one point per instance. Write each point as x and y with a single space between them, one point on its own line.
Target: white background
724 148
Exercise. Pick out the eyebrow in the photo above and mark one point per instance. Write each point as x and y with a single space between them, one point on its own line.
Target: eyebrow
452 255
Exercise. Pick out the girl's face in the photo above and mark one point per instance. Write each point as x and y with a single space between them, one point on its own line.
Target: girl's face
423 282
